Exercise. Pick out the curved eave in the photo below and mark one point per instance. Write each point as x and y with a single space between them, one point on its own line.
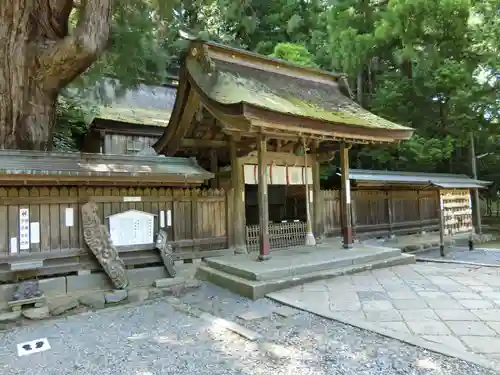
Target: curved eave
180 102
270 121
329 130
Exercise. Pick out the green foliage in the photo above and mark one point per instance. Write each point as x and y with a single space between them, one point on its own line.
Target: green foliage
73 118
295 53
433 65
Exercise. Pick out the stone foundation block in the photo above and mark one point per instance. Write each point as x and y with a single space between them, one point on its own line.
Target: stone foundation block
53 287
82 283
145 276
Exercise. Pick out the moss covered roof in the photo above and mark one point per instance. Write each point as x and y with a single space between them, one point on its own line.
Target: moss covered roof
138 116
140 105
232 83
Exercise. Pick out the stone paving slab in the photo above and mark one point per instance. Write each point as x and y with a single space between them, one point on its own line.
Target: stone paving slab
453 305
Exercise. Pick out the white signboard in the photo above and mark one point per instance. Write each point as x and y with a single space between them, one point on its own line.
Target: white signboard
32 347
24 229
69 216
162 219
13 245
35 232
169 218
131 228
132 199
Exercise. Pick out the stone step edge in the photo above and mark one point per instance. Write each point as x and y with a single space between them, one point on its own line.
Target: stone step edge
305 269
258 289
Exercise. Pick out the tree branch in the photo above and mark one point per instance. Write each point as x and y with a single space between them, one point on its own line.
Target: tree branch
70 56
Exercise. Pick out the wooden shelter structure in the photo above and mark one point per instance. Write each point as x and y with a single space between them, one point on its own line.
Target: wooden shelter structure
393 202
132 122
246 109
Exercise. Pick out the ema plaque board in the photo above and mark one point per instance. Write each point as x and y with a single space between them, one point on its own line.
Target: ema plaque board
132 228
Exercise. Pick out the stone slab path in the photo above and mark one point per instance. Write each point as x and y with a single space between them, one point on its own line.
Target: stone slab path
454 305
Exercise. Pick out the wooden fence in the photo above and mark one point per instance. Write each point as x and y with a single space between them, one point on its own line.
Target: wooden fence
196 224
379 213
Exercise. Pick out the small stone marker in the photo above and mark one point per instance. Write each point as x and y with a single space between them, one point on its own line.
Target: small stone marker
254 315
285 311
32 347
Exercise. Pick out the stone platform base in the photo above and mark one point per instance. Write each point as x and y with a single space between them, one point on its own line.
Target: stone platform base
32 302
249 277
76 285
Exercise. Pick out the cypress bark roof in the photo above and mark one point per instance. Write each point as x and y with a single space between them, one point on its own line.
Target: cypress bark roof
233 82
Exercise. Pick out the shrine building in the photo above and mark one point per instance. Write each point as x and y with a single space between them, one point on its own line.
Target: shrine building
263 126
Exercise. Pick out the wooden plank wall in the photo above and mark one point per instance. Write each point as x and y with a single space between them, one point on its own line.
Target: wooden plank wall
378 213
199 225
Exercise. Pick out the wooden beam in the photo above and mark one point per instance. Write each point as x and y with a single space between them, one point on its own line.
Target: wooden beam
204 143
264 247
277 158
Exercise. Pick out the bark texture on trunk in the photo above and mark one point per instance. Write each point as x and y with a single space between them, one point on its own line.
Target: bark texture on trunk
38 58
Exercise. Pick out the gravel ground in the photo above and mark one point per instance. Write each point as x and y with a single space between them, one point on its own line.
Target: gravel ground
156 339
464 255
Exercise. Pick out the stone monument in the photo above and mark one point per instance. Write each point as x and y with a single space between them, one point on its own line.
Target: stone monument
97 238
166 252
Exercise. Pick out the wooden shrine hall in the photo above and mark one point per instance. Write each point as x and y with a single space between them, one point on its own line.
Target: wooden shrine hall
253 120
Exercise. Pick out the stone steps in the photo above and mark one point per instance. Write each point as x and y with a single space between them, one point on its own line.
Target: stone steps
256 285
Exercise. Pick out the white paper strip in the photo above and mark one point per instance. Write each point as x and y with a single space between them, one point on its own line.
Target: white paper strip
69 216
13 245
295 176
169 218
35 232
348 191
24 229
162 219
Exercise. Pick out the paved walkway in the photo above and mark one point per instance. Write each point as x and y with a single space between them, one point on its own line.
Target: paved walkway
159 339
458 306
484 256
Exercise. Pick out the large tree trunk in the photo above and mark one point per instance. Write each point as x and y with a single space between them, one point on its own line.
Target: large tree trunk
38 58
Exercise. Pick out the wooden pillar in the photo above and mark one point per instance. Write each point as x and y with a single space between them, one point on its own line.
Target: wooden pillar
318 226
345 197
390 216
264 248
441 222
238 221
310 240
420 212
214 169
